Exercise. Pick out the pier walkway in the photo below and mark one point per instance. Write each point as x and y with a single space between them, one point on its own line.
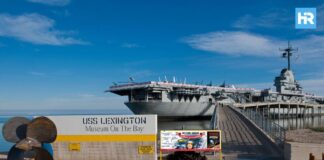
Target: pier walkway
242 140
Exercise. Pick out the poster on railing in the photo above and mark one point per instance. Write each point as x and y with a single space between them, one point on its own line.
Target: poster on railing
190 140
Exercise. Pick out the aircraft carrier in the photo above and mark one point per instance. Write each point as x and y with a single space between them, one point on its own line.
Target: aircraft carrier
171 99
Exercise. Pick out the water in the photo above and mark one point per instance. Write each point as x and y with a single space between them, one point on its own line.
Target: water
5 115
4 146
295 121
301 123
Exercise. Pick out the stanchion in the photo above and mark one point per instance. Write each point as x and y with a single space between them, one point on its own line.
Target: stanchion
311 156
220 155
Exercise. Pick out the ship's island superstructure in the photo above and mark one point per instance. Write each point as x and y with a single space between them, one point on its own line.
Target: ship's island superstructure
171 99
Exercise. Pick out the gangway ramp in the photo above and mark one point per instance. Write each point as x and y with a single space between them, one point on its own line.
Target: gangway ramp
242 140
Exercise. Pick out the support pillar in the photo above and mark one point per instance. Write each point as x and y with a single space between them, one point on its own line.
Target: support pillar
262 118
313 108
268 118
284 115
256 113
278 114
297 108
303 121
320 115
288 120
268 112
250 113
303 113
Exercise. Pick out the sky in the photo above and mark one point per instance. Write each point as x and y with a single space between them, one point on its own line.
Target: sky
63 54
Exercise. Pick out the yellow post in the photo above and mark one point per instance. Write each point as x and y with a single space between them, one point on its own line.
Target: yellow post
160 145
220 155
160 155
311 156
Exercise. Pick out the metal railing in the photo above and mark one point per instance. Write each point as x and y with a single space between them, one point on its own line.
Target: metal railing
214 119
272 129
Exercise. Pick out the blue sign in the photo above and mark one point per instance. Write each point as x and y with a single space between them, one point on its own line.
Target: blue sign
305 18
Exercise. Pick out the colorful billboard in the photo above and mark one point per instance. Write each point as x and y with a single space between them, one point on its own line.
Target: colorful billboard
190 140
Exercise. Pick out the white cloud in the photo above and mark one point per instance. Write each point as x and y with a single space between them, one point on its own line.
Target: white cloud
52 2
313 86
274 18
62 13
277 19
36 29
234 43
130 45
311 47
245 43
320 18
34 73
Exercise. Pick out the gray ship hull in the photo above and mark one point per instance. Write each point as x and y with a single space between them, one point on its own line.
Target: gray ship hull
172 109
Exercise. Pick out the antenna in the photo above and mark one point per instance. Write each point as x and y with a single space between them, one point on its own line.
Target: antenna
165 78
223 85
288 53
297 57
131 79
174 79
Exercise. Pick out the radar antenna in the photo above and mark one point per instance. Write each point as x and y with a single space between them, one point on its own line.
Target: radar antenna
288 53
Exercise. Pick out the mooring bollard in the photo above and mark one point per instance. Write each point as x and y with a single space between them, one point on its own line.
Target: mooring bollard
311 156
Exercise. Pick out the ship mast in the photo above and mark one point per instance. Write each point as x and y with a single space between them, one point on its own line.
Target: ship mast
288 53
